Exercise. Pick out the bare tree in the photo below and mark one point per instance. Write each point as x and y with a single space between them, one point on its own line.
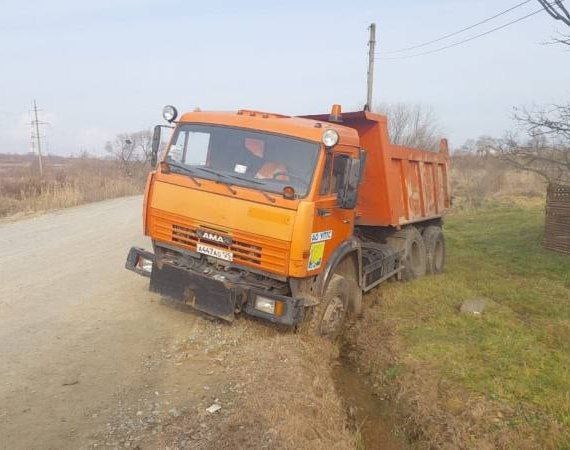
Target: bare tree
483 146
412 125
143 142
546 149
131 150
558 11
562 39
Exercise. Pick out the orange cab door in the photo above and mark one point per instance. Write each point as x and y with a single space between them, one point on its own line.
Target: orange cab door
332 225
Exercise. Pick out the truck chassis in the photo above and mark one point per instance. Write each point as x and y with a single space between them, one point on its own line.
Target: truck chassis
224 290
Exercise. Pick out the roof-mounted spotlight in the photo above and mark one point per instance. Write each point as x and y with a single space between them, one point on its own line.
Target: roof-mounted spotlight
169 113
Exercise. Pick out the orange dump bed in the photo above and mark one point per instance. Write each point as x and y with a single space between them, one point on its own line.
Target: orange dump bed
400 185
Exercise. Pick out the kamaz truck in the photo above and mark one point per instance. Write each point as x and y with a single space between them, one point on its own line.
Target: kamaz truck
288 219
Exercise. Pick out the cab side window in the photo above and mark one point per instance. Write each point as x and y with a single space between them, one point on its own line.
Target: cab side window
338 171
333 176
178 148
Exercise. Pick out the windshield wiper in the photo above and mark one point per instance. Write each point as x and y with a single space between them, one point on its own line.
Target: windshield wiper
213 172
219 176
247 180
184 169
257 182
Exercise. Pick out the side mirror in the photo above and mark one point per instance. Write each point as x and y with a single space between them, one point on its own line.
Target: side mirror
348 192
155 145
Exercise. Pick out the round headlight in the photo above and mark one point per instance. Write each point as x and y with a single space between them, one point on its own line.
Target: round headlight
330 138
169 113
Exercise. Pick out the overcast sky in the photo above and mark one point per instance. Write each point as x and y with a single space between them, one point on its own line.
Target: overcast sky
102 67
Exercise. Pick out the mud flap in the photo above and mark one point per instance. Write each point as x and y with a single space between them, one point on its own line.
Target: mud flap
202 293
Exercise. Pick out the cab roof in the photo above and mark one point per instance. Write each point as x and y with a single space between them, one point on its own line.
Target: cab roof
299 127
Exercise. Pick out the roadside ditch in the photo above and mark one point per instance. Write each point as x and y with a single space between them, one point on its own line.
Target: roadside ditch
371 416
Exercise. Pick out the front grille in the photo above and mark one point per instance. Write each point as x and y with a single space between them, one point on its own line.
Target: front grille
184 235
242 251
248 249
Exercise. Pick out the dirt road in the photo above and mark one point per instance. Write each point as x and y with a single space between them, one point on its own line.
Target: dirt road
89 358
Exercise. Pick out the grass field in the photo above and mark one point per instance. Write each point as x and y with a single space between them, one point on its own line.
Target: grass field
501 379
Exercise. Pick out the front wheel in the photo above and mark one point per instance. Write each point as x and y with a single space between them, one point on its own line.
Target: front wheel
328 317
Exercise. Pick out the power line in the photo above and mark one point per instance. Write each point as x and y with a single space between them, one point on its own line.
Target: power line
472 38
455 33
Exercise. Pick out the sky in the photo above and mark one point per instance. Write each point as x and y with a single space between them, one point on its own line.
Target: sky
104 67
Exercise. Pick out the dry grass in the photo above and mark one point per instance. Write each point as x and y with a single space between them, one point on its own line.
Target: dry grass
278 394
477 181
66 182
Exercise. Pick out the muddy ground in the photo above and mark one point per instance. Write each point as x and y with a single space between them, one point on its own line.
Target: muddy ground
89 358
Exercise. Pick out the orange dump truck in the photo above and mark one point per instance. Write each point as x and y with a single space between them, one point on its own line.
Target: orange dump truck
289 219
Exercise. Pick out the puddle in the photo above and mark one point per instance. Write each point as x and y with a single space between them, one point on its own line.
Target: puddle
372 416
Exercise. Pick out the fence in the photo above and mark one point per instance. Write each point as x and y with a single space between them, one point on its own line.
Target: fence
557 223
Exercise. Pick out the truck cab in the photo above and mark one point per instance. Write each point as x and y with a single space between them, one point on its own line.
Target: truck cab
258 213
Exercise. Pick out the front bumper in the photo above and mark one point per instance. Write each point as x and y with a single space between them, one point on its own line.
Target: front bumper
212 293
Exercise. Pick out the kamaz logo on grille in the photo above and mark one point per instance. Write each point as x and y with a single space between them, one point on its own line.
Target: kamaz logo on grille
214 237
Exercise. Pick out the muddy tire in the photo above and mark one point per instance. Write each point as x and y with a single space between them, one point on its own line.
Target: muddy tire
348 269
435 249
328 317
410 241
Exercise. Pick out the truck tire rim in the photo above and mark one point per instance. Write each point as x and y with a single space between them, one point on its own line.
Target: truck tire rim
333 317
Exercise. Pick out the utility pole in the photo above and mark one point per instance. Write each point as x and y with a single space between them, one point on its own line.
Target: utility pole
36 122
370 78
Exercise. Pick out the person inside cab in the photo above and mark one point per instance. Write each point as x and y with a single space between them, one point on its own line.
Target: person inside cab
266 168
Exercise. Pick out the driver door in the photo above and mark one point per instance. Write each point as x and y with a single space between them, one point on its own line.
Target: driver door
332 224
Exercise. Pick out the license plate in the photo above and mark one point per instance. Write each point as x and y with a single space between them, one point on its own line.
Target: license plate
215 252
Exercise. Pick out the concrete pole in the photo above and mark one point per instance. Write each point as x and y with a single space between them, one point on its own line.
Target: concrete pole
37 123
370 78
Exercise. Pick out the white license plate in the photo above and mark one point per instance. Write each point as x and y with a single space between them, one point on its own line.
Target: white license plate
215 252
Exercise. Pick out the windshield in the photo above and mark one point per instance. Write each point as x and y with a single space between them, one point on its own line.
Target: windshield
244 158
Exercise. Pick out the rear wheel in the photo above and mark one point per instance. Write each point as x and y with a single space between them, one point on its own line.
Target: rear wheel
435 249
410 242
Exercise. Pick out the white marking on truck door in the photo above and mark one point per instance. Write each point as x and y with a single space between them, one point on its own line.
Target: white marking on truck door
320 236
